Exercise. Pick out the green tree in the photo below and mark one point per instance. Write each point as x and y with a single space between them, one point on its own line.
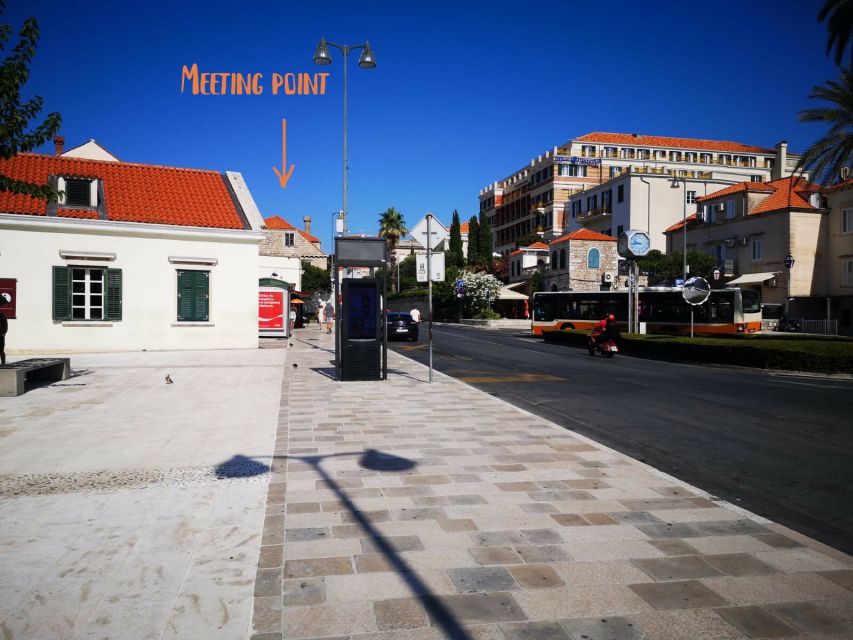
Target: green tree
485 244
662 267
500 269
839 25
473 241
408 273
529 239
392 227
835 149
15 116
456 256
315 279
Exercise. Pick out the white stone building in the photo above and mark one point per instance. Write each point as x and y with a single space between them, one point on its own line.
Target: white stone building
132 257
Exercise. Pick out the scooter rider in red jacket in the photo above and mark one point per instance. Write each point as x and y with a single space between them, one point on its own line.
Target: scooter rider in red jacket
602 330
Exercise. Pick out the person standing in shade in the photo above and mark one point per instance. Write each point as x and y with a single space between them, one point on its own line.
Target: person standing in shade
416 315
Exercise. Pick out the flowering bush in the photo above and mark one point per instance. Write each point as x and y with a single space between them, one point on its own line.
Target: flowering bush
480 290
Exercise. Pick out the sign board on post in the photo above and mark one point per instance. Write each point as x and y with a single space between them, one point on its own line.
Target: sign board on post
429 232
437 267
9 297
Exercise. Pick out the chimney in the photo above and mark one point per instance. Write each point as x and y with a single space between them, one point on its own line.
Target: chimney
59 144
307 221
780 165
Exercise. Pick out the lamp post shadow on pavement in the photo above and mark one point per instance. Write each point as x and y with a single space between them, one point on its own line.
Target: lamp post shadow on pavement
246 466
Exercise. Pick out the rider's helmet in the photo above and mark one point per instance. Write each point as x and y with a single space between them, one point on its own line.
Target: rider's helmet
611 317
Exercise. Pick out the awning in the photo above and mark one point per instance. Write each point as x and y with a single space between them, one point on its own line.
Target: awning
506 293
754 278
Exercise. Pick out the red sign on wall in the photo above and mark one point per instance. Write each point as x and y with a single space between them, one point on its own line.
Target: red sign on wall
9 297
271 309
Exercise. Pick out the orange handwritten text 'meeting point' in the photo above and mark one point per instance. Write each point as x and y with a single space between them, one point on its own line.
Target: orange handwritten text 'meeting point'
238 84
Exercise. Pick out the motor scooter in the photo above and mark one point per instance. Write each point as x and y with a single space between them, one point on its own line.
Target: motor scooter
606 345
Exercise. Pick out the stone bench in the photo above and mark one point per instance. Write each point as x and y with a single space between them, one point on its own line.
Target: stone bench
14 376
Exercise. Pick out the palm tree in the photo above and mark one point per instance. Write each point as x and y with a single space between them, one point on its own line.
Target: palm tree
839 25
392 227
835 150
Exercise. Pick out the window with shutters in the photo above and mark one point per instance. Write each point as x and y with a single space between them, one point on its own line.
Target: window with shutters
86 293
193 296
78 192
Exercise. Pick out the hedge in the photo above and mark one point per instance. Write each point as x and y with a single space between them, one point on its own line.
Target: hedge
817 356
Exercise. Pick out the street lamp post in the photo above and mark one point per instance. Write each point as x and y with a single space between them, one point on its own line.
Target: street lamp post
675 180
365 61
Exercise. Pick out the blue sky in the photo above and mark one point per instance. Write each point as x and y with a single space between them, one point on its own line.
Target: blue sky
464 92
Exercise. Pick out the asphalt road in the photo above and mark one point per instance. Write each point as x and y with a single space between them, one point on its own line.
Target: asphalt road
779 445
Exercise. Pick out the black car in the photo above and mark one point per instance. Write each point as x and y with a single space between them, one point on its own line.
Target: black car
402 327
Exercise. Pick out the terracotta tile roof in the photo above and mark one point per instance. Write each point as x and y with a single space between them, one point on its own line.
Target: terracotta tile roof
308 236
844 184
790 193
132 192
583 234
536 245
276 222
516 252
678 225
737 188
665 141
463 227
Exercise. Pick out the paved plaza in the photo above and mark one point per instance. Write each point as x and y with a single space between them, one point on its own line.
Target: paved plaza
255 497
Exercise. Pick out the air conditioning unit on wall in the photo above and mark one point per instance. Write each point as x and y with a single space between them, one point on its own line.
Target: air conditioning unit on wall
743 241
730 243
607 276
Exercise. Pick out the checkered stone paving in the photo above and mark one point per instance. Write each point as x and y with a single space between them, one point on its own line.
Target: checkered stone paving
407 510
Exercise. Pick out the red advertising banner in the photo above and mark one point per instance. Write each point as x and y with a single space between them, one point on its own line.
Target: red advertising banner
271 309
9 297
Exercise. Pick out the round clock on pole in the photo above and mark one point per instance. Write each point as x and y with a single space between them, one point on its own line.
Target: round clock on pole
633 244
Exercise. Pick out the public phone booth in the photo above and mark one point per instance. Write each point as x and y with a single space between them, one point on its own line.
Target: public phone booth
361 345
273 308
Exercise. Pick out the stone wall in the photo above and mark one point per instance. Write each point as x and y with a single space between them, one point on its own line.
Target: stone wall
274 244
577 276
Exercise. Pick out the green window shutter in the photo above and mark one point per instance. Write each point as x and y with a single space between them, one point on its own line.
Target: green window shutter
61 293
186 282
113 287
201 295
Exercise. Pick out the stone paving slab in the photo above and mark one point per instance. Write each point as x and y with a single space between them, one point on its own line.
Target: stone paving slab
407 510
131 508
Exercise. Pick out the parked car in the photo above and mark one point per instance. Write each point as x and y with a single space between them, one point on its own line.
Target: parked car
401 326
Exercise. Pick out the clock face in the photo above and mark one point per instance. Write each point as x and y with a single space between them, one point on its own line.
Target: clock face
639 244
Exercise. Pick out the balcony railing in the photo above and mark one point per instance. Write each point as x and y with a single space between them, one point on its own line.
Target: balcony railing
604 210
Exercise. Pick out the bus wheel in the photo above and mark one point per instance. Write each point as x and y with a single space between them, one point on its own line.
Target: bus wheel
566 325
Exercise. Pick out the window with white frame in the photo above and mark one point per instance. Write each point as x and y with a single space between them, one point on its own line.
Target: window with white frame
691 197
87 293
288 239
756 178
756 249
847 273
847 221
78 192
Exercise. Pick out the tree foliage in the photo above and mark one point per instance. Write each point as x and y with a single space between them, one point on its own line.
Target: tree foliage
15 116
835 149
473 241
839 26
455 254
485 244
529 239
392 227
662 267
315 279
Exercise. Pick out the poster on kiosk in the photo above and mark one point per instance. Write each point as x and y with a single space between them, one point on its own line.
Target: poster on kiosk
273 312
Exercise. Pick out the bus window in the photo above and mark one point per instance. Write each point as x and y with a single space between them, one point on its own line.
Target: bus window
544 308
751 300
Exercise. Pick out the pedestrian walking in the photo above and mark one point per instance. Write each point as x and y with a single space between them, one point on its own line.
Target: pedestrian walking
292 318
330 317
4 327
416 315
321 316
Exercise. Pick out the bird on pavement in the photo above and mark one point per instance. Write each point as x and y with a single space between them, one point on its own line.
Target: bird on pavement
295 365
169 379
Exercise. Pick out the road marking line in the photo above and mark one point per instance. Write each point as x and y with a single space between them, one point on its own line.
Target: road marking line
515 377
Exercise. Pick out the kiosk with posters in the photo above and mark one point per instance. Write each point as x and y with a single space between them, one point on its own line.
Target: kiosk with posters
273 308
361 348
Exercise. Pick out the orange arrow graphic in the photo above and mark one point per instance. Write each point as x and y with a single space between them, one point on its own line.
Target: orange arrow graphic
282 179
